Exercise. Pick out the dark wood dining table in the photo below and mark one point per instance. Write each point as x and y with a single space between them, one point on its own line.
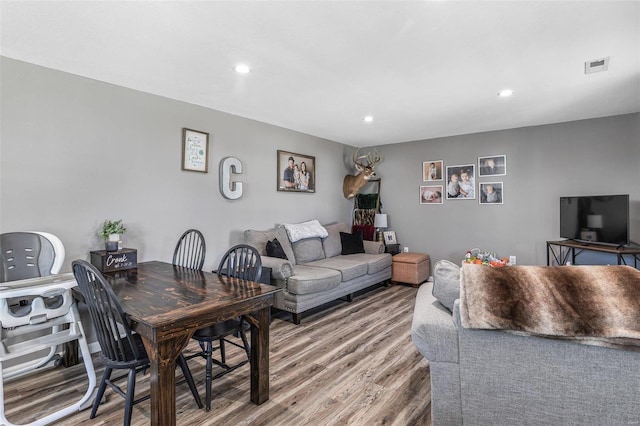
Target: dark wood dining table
166 304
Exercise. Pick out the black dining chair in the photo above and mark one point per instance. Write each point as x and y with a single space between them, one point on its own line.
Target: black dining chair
190 250
122 349
243 262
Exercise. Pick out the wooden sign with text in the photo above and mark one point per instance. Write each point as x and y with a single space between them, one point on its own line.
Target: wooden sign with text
112 261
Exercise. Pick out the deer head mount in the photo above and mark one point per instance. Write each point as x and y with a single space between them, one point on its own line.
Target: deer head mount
353 183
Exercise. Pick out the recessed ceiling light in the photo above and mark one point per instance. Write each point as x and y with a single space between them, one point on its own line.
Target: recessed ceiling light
505 93
242 69
368 118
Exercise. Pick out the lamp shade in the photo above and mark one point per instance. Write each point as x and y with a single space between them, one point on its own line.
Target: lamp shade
380 221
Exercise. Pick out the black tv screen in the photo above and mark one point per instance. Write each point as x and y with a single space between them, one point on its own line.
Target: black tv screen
601 219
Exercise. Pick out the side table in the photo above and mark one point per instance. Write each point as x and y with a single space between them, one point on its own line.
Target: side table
392 248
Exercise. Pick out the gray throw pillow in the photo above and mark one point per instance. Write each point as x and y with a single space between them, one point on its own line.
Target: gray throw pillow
332 245
308 250
446 283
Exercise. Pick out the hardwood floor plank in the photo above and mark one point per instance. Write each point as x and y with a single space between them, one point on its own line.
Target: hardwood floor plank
348 364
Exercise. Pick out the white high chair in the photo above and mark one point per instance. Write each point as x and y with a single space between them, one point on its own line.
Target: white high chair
37 313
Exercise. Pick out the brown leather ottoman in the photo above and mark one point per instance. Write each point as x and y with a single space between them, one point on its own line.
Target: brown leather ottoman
410 268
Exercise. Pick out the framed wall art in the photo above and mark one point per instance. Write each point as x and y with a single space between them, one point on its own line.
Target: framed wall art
491 193
195 150
431 194
496 165
296 172
432 170
461 182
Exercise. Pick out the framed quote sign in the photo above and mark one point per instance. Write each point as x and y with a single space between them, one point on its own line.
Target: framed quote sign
195 151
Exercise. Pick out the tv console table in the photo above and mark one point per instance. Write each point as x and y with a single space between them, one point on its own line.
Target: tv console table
562 250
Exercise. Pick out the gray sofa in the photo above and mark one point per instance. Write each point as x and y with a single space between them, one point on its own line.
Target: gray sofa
315 272
489 377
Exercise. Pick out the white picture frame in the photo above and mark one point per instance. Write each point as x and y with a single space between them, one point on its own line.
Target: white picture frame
491 193
460 184
492 165
390 237
432 170
431 195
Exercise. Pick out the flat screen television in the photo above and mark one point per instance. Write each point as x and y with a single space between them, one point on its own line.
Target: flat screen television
599 219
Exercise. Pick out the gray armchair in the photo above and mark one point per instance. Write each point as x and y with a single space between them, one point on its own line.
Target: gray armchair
490 377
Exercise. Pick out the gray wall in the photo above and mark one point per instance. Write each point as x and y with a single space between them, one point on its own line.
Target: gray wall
75 152
590 157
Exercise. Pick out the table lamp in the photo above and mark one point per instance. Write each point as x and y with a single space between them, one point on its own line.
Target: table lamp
380 222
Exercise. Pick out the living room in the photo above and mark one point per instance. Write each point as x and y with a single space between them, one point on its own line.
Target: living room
77 149
89 151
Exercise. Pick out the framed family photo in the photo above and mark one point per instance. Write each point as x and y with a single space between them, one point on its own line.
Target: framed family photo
432 170
431 194
195 150
461 182
496 165
491 193
296 172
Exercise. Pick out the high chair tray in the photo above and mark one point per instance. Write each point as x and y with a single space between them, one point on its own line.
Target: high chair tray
65 280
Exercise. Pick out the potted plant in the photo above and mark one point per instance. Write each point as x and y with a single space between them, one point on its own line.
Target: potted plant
111 231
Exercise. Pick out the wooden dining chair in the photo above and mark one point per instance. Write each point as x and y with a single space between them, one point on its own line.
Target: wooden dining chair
122 349
190 250
243 262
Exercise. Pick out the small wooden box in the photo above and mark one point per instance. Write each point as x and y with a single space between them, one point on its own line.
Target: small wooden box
112 261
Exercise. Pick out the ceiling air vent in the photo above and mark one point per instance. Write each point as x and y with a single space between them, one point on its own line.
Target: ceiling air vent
596 65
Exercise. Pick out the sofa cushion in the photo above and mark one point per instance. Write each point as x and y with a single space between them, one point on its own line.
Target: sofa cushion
309 279
274 249
258 239
351 243
332 245
446 283
308 250
309 229
375 262
346 265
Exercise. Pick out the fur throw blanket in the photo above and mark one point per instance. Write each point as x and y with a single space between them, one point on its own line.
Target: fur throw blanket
597 305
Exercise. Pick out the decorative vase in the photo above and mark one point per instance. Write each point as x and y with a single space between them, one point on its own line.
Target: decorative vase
111 245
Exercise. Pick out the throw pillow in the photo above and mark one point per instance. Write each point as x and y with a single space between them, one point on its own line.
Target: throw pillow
446 283
274 249
332 245
351 243
308 250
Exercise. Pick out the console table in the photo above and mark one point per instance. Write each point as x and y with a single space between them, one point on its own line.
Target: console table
560 252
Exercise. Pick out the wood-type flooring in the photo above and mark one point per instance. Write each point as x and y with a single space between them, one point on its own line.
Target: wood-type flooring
348 364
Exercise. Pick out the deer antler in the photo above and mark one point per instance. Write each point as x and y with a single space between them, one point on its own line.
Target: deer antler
370 163
362 157
376 159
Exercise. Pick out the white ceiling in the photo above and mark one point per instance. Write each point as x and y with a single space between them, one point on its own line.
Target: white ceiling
423 69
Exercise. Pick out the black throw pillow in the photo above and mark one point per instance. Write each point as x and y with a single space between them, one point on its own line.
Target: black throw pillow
352 243
274 249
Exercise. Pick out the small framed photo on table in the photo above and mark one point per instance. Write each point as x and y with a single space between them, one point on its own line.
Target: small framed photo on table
390 237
